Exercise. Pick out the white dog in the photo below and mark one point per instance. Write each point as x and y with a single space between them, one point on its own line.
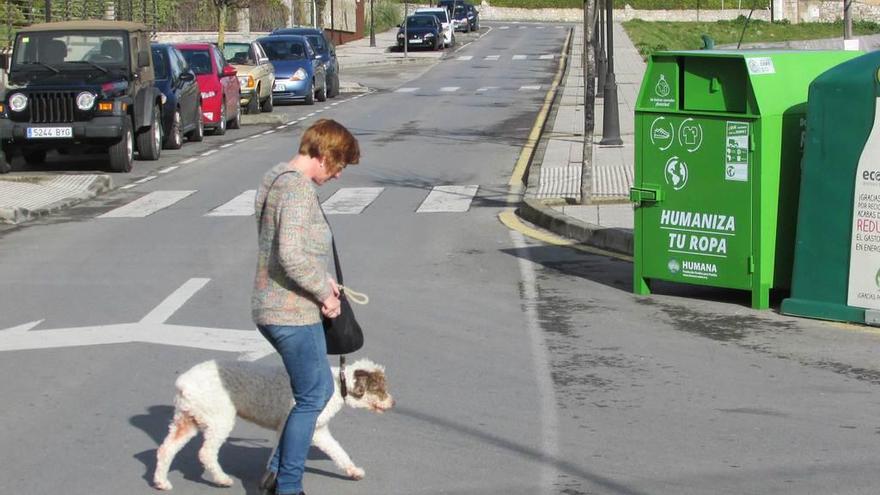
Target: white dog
211 394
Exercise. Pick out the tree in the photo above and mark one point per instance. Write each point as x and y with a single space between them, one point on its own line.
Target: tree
222 8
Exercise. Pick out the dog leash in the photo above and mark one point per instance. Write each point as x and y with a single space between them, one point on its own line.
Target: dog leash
343 389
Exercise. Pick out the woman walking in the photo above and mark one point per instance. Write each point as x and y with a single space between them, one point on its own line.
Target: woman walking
293 289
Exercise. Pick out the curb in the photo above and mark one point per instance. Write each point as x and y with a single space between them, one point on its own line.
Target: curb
389 61
16 215
608 238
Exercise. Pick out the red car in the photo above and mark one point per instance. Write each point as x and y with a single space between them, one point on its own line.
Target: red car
221 92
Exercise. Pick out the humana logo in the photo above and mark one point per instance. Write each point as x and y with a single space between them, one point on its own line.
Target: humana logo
696 266
708 221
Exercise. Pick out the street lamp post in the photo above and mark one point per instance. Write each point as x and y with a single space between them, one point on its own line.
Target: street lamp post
372 27
601 60
610 118
405 30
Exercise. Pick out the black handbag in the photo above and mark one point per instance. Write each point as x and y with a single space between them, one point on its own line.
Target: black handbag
343 333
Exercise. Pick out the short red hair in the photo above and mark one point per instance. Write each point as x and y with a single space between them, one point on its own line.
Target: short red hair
331 141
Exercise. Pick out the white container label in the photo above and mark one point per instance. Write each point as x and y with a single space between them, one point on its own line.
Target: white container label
864 258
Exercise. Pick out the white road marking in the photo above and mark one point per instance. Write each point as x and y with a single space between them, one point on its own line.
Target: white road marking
450 89
451 199
145 179
465 57
188 161
147 205
128 186
523 27
292 122
241 140
152 329
270 131
168 169
486 88
175 301
334 104
227 145
239 206
504 27
406 90
351 200
539 27
492 57
520 57
319 111
533 87
548 56
209 152
311 114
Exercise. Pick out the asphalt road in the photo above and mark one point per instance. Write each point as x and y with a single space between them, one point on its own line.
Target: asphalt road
518 367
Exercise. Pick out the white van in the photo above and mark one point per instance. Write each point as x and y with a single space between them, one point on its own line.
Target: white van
442 15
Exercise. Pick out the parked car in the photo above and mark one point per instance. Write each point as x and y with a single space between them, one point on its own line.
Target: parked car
466 18
423 31
81 85
221 91
442 15
299 73
256 74
320 43
182 110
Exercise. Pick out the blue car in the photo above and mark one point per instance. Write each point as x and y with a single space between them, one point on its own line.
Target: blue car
182 110
320 43
299 72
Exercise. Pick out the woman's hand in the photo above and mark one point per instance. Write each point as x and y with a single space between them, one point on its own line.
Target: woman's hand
331 307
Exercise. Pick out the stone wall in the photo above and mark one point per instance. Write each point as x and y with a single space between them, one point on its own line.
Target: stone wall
490 13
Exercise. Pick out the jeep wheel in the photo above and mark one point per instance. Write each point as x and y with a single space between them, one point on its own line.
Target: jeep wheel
174 140
235 123
122 153
149 141
5 161
253 105
198 134
268 105
221 125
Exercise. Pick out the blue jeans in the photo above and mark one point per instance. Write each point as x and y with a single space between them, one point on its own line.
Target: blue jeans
304 352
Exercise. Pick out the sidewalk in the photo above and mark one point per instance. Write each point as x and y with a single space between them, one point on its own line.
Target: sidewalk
555 175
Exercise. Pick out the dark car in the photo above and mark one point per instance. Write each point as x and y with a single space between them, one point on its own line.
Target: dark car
320 43
461 11
81 85
423 31
299 73
182 111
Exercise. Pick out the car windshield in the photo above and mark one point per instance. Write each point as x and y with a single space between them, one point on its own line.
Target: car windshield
160 63
237 53
198 60
440 16
284 49
53 48
460 12
419 21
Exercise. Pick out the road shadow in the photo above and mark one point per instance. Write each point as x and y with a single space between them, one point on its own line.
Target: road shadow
243 459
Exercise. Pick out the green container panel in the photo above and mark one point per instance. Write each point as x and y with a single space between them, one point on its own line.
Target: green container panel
719 138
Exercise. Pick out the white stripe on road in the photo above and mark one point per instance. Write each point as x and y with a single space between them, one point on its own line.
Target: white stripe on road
239 206
227 145
465 57
241 140
520 57
128 186
406 90
351 200
175 301
188 161
209 152
451 199
450 89
504 27
147 205
548 56
486 88
492 57
145 179
271 131
169 169
533 87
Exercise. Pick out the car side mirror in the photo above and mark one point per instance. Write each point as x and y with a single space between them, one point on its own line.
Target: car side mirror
143 59
187 76
228 71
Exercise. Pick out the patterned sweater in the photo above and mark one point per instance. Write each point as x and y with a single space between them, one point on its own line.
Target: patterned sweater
294 250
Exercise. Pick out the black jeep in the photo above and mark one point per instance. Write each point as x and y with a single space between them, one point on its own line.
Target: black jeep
81 85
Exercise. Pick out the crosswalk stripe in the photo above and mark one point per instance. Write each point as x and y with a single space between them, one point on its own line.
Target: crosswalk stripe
548 56
147 205
351 200
520 57
239 206
492 57
450 89
533 87
465 57
406 90
451 199
486 88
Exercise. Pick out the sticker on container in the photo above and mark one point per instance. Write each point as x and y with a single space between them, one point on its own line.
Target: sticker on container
736 151
760 65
